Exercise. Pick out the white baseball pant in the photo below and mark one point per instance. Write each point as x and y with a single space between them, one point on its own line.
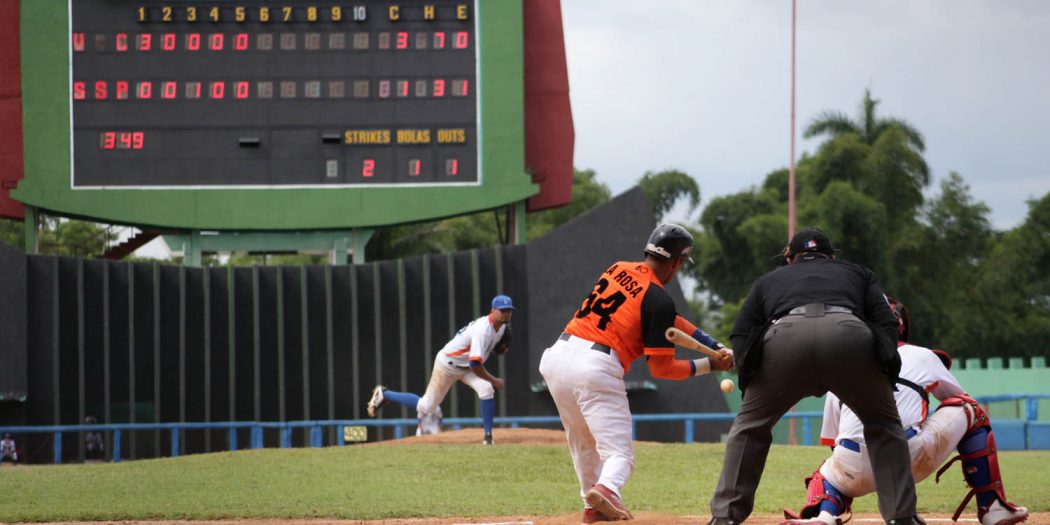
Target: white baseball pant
588 389
443 377
851 473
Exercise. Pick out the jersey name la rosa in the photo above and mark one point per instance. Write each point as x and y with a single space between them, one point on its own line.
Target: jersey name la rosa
629 311
473 342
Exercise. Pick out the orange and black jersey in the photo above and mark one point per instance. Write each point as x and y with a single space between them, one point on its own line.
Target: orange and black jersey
629 311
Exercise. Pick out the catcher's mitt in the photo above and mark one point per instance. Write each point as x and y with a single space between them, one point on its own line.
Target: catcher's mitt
503 345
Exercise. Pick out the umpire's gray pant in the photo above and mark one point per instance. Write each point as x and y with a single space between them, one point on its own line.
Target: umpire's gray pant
808 356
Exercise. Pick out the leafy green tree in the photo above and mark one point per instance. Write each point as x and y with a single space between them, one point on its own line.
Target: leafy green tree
733 233
665 188
882 157
12 232
587 193
1009 302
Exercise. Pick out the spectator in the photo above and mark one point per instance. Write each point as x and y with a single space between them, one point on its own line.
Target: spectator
8 450
94 445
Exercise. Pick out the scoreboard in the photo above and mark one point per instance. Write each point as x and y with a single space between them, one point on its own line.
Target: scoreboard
272 114
302 92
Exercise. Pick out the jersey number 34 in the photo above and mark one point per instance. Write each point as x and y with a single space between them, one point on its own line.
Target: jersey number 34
603 307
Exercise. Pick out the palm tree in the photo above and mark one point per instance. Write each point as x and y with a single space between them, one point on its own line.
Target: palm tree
869 128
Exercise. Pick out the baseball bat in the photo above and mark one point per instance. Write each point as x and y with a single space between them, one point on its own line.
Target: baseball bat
683 339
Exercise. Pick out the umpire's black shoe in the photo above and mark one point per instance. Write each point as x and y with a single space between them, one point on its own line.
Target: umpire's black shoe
723 521
911 520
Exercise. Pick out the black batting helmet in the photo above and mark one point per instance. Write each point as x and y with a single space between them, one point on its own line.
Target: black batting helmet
669 241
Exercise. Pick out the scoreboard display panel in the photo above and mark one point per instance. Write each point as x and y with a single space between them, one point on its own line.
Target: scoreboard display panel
272 114
293 92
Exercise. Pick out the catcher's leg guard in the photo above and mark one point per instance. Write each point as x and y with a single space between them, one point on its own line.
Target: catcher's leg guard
980 463
821 495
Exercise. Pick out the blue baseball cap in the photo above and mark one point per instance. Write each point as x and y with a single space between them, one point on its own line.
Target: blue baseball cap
502 302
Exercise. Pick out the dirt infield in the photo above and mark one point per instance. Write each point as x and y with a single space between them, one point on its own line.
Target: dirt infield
506 436
642 518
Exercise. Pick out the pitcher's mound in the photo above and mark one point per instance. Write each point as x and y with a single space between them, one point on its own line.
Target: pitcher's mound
473 436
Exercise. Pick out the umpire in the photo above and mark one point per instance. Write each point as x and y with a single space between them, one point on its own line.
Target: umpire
815 325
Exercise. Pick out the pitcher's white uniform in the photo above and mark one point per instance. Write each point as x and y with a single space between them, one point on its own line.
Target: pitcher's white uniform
932 439
473 342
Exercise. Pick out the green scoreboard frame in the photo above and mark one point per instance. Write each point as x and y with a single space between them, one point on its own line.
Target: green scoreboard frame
272 115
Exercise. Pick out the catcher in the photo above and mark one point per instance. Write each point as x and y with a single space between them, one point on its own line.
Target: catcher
462 359
960 423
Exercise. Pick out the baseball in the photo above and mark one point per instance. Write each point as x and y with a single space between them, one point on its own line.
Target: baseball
726 385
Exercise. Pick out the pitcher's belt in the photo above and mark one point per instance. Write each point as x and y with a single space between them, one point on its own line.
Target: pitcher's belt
565 336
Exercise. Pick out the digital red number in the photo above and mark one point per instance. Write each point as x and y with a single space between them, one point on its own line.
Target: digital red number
218 89
462 39
414 166
452 167
216 41
168 42
78 91
168 90
145 90
122 41
124 140
122 90
439 87
402 88
109 139
241 90
193 41
145 42
368 168
439 40
241 42
100 90
137 139
402 40
78 42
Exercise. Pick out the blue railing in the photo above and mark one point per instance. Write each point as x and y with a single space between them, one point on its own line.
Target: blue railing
1025 427
314 428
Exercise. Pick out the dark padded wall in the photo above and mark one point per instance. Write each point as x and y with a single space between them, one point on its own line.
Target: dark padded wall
13 378
562 269
139 342
133 342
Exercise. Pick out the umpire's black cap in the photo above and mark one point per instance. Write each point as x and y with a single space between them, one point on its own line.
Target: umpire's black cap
806 240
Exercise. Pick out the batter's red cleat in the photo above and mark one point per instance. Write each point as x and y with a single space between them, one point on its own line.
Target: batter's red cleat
604 500
593 516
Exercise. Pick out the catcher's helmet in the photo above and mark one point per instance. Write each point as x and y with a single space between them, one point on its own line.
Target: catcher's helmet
669 241
903 320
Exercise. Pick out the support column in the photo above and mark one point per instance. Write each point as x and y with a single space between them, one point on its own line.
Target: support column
32 233
191 250
517 223
338 256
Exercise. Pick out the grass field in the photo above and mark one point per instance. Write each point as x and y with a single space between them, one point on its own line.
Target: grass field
421 480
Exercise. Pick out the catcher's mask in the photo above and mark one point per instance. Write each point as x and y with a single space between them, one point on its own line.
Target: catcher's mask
903 319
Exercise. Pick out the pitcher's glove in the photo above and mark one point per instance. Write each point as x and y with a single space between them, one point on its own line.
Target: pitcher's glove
503 345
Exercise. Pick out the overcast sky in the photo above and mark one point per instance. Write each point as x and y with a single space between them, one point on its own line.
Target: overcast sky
704 87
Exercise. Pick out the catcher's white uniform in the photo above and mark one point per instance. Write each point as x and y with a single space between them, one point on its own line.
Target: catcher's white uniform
932 439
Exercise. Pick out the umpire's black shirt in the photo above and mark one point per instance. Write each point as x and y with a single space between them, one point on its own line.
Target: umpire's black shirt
814 279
